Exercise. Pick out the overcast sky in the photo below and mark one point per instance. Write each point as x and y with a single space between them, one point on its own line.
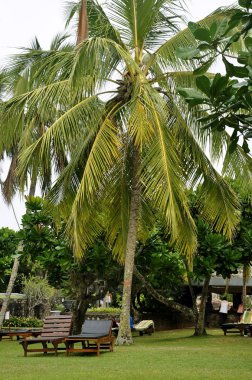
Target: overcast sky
20 21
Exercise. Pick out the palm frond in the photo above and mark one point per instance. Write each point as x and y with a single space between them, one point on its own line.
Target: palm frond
104 152
163 180
238 165
223 212
165 55
117 201
104 56
137 111
10 185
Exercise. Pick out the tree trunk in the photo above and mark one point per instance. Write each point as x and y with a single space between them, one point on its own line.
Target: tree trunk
82 32
79 284
79 312
227 285
124 334
244 285
33 184
13 276
195 309
200 323
159 297
199 315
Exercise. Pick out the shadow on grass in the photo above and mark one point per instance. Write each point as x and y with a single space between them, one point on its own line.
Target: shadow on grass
172 336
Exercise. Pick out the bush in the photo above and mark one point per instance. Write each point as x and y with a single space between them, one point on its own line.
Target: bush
104 310
22 322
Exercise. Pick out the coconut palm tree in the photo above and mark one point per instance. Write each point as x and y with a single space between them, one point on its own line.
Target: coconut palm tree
132 148
18 79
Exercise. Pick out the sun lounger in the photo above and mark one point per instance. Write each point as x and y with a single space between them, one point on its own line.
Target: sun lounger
95 335
54 331
145 327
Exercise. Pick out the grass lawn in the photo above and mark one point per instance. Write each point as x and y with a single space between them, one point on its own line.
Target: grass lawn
171 355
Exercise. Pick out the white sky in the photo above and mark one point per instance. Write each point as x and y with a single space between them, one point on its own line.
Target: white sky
21 20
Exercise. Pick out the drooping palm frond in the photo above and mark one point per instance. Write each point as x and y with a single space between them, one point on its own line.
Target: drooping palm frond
223 212
10 185
30 61
104 57
214 144
197 167
103 154
63 134
140 125
163 178
116 205
2 84
238 165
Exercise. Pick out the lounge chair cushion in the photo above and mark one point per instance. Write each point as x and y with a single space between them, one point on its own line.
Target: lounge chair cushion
95 335
143 325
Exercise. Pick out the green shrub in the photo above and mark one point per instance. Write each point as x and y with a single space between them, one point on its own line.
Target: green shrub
104 309
22 322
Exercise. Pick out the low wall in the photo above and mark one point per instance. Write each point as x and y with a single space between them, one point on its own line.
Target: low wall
168 320
163 321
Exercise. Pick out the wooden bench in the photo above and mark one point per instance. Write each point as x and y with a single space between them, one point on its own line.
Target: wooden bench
54 331
233 328
95 335
239 327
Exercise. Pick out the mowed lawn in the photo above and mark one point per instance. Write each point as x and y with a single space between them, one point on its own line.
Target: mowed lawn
174 354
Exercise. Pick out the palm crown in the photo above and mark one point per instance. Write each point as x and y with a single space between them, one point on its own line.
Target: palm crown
111 96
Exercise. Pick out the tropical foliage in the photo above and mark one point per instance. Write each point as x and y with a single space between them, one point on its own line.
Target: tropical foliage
106 117
47 257
226 98
8 246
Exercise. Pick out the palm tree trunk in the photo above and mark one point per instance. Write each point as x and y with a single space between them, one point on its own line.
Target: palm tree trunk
124 334
82 32
6 301
33 184
244 285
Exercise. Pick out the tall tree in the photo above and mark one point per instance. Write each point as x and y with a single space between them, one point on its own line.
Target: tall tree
214 255
130 143
18 79
11 283
243 239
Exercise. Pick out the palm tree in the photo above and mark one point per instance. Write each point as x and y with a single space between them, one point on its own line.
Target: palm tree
132 147
18 79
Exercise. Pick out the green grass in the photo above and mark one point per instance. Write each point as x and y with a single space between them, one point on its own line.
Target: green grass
165 355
